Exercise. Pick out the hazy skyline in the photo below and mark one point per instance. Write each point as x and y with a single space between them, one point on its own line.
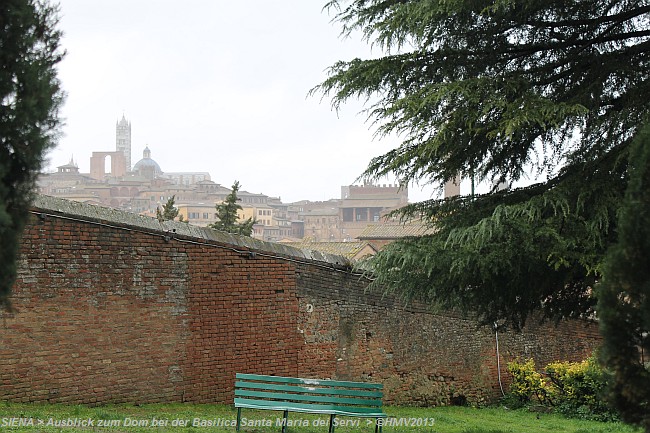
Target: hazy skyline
218 87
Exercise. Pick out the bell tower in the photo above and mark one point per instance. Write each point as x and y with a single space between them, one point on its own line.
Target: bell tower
123 140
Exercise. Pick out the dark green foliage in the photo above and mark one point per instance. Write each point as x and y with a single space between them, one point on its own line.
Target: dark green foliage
169 211
506 254
495 89
30 97
228 218
492 89
624 295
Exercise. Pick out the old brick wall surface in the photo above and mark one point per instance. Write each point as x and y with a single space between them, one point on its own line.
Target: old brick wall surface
114 307
101 316
421 358
242 318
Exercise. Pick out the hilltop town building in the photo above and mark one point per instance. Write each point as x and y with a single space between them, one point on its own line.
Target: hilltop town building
143 187
344 219
368 204
98 164
123 140
147 167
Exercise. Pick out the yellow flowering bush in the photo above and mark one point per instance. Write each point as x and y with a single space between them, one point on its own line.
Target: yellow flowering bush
572 388
577 387
527 384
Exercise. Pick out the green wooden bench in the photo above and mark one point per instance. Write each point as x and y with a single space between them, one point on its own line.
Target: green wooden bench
291 394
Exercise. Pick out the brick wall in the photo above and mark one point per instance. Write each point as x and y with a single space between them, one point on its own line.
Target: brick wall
114 307
421 358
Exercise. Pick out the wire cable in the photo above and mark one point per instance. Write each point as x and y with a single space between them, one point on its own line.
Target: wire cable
496 337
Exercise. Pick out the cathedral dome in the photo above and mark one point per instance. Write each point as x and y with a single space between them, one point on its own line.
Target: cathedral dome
147 167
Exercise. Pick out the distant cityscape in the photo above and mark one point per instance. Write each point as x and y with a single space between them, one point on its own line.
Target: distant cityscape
143 187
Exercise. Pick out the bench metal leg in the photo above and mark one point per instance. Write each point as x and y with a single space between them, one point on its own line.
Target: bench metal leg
238 418
378 423
284 424
332 416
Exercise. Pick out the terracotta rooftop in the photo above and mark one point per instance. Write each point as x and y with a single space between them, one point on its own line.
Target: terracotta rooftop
395 231
346 249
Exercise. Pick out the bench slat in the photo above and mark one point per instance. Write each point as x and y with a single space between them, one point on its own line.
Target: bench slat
311 390
311 408
285 397
317 382
293 394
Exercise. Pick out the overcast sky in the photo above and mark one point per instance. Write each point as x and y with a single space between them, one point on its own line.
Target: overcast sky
215 86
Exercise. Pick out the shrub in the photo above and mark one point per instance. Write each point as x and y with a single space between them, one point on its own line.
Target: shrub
571 388
577 389
527 383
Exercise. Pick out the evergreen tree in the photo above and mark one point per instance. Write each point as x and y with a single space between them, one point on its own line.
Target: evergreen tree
169 211
624 296
227 218
30 97
494 89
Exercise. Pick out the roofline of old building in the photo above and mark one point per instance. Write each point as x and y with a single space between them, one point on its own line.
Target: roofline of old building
45 206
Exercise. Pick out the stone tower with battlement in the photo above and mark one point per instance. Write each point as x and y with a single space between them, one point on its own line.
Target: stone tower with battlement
123 140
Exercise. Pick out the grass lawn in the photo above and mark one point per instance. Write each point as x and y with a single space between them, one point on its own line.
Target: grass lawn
219 418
